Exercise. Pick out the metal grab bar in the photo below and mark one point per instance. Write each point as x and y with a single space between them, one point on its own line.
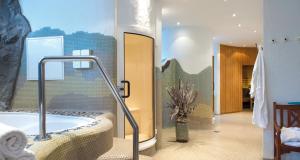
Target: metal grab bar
113 89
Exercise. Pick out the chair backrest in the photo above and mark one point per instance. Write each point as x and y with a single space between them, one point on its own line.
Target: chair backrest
286 115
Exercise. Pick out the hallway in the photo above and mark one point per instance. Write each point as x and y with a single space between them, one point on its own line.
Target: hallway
231 137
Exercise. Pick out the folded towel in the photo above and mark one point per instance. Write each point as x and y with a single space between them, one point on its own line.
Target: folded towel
12 141
293 144
294 103
291 134
26 155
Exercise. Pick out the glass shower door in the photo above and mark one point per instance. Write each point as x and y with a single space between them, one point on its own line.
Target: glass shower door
138 69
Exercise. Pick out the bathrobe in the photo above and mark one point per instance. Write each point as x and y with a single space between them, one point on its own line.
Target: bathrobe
258 91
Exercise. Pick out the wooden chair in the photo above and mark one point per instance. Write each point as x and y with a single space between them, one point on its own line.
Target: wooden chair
289 117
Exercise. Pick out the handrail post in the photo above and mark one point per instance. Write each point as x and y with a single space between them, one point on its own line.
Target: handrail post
125 109
42 108
113 89
136 143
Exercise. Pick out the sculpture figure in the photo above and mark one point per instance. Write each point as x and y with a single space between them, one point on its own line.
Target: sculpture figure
14 28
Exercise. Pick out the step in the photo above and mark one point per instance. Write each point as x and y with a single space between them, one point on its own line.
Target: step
141 157
121 150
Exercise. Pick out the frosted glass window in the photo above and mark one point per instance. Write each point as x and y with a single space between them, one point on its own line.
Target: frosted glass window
37 48
82 64
85 64
76 64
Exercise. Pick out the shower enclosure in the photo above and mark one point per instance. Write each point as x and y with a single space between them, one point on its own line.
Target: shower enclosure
139 84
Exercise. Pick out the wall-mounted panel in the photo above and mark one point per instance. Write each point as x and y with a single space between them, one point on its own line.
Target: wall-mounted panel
40 47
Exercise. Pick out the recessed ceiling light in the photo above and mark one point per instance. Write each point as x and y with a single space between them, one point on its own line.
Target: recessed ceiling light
254 31
178 23
239 25
233 15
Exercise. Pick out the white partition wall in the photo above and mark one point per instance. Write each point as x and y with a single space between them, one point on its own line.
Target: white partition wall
282 61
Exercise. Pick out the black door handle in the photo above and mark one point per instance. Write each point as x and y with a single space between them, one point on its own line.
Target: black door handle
128 88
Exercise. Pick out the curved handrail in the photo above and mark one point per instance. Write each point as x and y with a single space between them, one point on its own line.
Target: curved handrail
113 89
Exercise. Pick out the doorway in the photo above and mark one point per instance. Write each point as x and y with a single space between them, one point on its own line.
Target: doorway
233 62
139 83
246 81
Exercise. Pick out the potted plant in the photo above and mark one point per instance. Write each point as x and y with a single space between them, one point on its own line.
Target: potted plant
181 105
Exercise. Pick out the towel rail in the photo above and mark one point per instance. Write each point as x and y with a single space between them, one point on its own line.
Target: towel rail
113 89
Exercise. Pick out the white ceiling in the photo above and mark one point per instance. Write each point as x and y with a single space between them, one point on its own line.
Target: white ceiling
217 16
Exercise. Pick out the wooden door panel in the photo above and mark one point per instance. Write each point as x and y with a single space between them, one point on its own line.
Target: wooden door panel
231 61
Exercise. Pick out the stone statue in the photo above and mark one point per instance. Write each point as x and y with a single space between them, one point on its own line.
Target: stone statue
14 28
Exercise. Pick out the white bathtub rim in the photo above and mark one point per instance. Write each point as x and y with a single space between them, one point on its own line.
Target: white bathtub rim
91 121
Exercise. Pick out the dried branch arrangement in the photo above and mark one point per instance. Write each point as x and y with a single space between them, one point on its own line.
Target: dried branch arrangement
182 99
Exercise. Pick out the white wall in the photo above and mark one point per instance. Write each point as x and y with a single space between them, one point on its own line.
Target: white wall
281 19
158 33
191 46
138 15
217 88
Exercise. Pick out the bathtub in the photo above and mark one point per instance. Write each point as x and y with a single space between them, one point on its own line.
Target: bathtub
72 137
29 122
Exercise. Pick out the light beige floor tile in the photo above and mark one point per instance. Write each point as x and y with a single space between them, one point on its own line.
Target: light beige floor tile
232 137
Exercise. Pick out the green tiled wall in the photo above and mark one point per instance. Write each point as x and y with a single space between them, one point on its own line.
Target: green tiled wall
201 82
81 89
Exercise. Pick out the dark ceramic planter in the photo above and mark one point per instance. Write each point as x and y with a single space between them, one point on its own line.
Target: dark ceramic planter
182 132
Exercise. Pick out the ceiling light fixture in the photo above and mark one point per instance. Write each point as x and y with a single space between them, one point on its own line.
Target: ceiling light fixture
164 11
233 15
178 23
254 31
239 25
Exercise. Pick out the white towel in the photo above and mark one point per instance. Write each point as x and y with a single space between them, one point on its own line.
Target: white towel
26 155
1 156
258 90
293 144
291 134
12 141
